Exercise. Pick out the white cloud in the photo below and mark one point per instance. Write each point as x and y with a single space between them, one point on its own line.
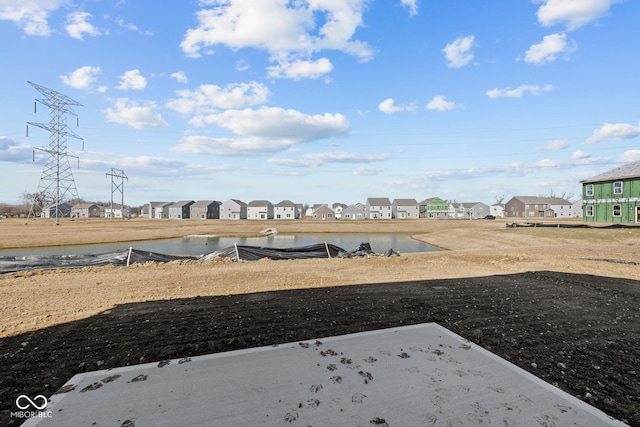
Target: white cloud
287 30
82 78
180 77
557 144
14 151
580 155
344 157
77 25
30 15
319 159
263 131
518 92
573 13
235 146
209 98
458 53
128 112
132 79
367 171
412 5
614 132
630 156
549 49
388 106
299 69
440 103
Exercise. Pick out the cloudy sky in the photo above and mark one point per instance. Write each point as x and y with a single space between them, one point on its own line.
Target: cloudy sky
322 101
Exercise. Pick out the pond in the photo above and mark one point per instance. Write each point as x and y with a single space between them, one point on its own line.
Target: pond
200 245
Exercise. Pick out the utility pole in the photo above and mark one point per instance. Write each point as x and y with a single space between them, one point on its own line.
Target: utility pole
117 186
56 180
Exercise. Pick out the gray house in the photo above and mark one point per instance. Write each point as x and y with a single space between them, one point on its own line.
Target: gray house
538 207
378 208
61 210
355 211
233 209
159 210
260 209
286 209
468 210
181 210
205 209
324 212
405 208
86 210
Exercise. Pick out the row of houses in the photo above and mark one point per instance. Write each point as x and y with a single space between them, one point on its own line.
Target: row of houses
85 210
612 197
373 208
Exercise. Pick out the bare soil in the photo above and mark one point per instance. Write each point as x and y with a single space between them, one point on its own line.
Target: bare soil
562 303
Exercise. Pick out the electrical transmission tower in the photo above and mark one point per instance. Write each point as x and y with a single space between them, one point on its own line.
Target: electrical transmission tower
117 186
56 180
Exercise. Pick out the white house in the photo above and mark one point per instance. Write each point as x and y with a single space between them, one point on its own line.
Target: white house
260 209
286 209
378 208
233 209
405 208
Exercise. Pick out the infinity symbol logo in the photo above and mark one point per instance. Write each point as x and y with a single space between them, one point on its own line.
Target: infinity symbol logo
21 405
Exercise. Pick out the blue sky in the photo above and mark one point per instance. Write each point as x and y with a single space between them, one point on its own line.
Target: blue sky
323 101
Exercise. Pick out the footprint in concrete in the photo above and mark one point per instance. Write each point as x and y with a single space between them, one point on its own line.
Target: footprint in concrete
65 389
377 421
367 376
110 378
358 397
291 416
139 378
91 387
315 388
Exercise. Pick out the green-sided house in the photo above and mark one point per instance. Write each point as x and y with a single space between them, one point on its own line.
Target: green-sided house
433 207
613 196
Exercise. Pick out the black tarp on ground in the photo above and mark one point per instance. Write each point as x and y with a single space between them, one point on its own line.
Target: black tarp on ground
9 264
254 253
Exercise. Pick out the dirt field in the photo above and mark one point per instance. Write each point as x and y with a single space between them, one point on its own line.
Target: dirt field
562 303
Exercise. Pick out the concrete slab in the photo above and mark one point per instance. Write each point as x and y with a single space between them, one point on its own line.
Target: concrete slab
421 375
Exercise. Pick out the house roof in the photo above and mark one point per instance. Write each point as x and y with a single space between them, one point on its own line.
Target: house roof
354 208
378 201
406 202
533 200
156 204
630 170
236 201
182 203
259 203
204 203
84 205
431 199
323 208
285 204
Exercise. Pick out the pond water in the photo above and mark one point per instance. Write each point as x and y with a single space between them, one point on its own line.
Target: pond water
200 245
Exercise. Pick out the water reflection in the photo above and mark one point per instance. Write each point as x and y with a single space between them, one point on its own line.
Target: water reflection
199 245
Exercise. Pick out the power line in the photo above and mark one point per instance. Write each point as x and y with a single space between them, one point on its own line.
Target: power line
56 180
